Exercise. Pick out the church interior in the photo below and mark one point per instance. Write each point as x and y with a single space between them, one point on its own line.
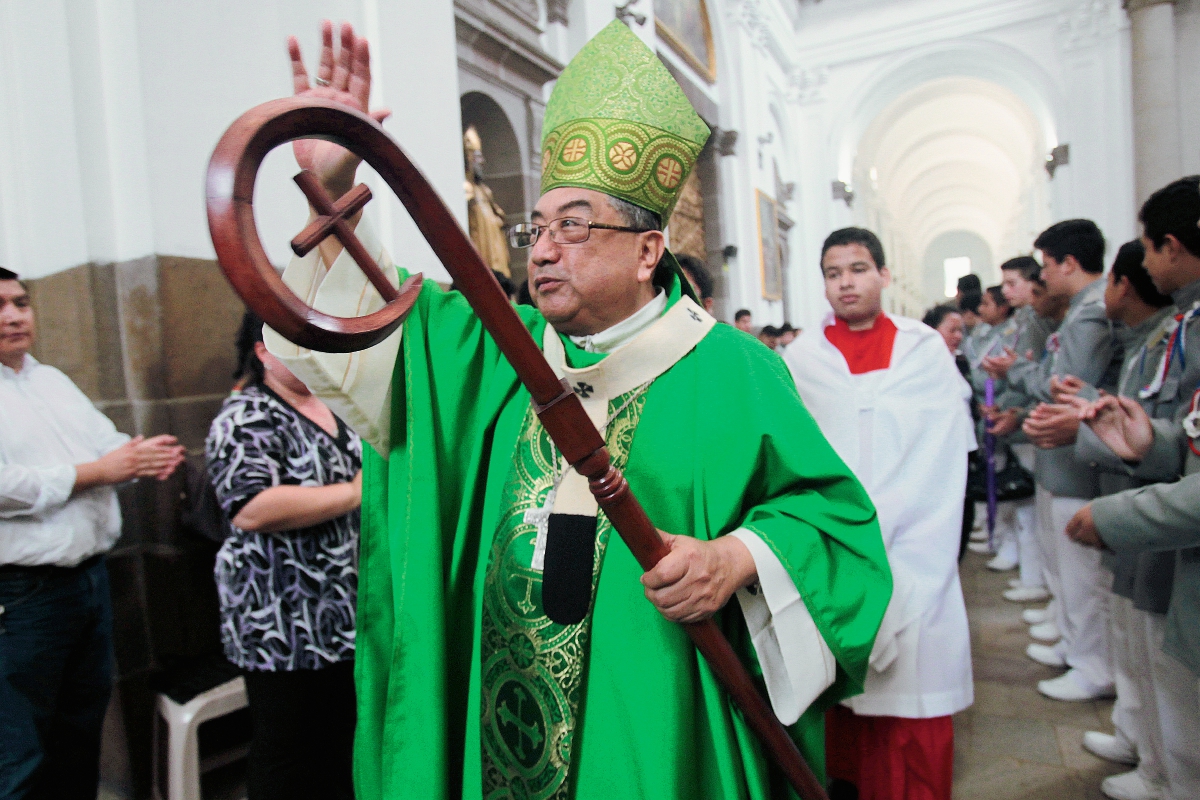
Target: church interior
956 129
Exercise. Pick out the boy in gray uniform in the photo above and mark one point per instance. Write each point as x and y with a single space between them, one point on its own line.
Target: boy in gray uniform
976 329
1164 516
1008 308
995 315
1084 347
1141 584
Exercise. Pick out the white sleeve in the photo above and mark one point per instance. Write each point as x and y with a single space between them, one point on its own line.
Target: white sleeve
28 491
106 437
356 386
796 662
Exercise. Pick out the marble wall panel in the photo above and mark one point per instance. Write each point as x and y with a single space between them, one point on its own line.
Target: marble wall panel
200 316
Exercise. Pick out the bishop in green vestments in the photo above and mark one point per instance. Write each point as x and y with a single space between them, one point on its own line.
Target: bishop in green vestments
467 687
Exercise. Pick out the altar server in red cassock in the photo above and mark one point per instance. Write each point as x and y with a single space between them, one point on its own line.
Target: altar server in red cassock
886 393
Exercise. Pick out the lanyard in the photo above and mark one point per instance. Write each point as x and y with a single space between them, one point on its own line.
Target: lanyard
1175 345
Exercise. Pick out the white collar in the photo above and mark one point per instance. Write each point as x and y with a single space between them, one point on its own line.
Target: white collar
610 339
12 374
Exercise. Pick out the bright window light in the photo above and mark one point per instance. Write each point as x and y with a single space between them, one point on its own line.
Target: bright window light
955 268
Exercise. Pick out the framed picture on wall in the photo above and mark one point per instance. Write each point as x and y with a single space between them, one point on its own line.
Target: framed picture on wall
684 25
769 257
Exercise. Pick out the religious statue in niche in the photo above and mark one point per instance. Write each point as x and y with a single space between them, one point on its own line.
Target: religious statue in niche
485 218
686 227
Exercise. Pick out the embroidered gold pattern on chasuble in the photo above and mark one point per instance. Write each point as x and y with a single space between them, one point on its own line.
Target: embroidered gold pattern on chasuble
533 669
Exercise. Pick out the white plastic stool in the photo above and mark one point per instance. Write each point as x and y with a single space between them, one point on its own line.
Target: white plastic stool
182 763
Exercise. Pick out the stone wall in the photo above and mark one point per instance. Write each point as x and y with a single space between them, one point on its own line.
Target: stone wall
150 341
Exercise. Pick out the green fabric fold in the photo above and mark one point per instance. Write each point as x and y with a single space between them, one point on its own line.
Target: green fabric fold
723 441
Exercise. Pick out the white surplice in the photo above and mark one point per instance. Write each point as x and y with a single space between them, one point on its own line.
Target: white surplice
905 431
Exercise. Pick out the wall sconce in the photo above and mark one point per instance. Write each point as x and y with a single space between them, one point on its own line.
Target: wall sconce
843 192
763 141
725 141
625 15
1060 156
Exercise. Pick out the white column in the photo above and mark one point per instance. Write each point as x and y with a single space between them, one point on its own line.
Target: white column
1158 159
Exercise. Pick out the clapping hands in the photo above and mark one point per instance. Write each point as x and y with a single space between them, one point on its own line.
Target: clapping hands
1002 422
1121 423
156 457
998 366
1052 425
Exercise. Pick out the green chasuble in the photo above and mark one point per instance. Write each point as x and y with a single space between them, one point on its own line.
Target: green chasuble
718 441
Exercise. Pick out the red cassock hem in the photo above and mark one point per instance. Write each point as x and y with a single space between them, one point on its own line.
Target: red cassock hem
890 758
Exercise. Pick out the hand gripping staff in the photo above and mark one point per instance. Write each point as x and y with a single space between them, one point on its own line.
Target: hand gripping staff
230 191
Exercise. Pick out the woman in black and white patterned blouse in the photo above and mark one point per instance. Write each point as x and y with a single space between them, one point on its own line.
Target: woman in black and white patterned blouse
287 473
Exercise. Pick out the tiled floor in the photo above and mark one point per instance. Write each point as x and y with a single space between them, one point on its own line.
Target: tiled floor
1015 743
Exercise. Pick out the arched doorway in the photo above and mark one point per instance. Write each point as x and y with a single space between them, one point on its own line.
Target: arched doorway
502 162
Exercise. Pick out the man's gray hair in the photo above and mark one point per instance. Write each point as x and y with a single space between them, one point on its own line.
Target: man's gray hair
634 215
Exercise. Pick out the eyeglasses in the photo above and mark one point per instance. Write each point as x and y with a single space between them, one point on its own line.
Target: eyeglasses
564 230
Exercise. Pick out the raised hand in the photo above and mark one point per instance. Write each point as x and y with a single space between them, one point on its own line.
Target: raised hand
1121 424
1049 426
343 77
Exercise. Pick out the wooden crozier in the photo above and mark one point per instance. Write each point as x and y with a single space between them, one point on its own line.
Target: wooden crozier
230 191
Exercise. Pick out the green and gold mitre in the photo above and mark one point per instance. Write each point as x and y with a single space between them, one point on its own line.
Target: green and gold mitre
618 123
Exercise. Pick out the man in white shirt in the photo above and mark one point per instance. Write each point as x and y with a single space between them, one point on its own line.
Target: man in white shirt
59 461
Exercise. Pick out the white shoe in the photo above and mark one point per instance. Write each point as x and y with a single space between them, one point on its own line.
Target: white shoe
1129 786
1073 688
1110 748
1045 654
1035 616
1002 564
1015 583
1045 632
1026 594
978 535
981 548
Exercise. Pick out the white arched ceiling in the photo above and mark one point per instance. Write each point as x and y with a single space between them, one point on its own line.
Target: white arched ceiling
971 58
953 154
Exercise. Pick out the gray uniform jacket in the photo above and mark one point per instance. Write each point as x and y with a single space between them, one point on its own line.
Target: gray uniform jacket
1144 578
974 340
1166 516
994 342
991 342
1083 346
1032 333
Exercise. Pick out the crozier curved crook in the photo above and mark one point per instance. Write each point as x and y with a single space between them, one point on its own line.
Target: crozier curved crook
232 172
